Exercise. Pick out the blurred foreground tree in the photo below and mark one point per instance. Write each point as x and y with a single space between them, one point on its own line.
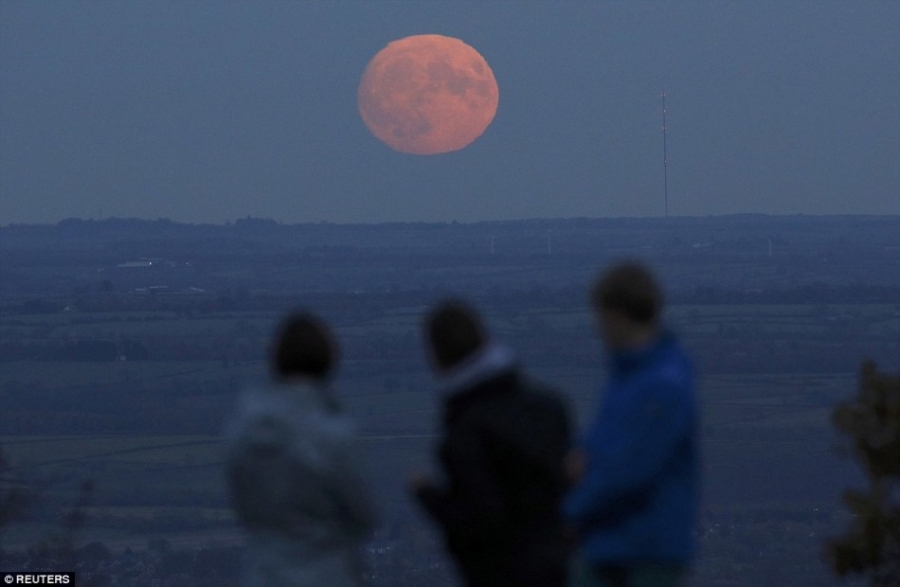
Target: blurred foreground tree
871 546
14 496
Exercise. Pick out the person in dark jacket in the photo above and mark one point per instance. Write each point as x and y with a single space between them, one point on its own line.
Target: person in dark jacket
635 504
295 472
502 454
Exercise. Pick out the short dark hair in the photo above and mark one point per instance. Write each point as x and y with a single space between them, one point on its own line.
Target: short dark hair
631 289
304 346
455 332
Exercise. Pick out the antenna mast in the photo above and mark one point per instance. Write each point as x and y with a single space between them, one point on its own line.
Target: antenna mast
665 158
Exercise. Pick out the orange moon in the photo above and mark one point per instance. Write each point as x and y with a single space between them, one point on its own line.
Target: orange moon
428 94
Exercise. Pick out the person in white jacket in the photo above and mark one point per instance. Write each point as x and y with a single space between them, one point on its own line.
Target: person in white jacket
294 469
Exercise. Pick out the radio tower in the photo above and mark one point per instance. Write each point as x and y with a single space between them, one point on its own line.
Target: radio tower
665 158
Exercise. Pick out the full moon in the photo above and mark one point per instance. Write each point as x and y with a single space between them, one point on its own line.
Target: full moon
427 94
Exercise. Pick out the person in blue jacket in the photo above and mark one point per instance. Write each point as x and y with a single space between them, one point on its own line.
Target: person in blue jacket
634 500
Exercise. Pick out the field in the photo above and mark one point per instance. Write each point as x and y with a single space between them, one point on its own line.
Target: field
766 441
147 435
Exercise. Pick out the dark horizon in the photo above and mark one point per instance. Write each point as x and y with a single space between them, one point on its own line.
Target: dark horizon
548 219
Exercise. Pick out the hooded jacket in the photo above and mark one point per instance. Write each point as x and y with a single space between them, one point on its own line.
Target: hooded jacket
503 444
297 487
638 498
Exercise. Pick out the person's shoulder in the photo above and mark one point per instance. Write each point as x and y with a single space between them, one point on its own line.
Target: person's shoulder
676 367
337 424
543 400
669 379
669 359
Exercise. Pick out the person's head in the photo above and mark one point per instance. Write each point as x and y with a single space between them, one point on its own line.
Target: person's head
454 332
304 347
627 302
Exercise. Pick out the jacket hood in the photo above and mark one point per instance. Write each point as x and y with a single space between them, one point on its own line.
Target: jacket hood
492 360
283 401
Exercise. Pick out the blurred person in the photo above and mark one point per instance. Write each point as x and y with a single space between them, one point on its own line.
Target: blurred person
635 501
501 453
293 467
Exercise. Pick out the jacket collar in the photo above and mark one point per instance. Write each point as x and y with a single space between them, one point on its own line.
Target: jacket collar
489 362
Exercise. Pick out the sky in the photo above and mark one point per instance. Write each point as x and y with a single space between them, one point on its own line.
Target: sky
211 111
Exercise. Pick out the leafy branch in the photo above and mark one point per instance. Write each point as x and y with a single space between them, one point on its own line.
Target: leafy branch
871 546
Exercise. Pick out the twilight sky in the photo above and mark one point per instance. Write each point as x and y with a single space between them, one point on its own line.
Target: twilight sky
207 111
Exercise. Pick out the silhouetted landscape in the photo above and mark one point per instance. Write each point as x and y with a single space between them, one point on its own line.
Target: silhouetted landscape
124 344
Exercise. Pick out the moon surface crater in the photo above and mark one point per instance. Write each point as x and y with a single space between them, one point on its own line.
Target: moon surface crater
427 94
